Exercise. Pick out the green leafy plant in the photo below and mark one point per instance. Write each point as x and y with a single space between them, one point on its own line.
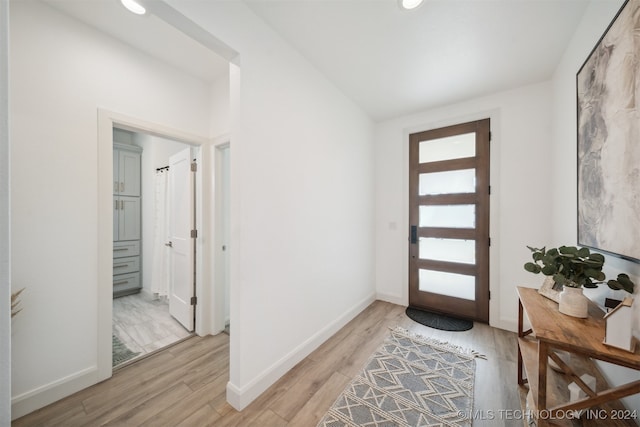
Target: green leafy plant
574 267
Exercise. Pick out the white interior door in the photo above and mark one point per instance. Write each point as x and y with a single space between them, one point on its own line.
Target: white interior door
181 222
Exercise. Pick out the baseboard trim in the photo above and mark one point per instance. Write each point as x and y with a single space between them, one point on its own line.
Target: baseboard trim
506 324
44 395
393 299
241 397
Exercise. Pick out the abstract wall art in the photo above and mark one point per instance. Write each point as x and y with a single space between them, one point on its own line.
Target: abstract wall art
608 88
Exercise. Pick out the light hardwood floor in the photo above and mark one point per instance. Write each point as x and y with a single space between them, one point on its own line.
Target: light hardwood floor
185 384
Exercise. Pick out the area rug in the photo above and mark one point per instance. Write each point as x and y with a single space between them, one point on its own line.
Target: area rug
410 381
120 352
438 321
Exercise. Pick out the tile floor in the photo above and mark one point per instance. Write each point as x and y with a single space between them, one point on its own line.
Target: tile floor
144 324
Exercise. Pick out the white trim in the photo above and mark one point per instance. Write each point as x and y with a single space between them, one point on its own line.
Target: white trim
221 140
506 324
494 116
393 299
106 121
219 320
239 398
44 395
49 393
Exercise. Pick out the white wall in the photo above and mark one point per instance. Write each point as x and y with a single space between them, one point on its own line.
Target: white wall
61 73
563 155
520 127
220 108
5 254
302 201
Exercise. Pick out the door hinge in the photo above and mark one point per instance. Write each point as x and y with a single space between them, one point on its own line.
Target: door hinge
194 300
489 136
489 241
194 167
489 189
489 294
194 234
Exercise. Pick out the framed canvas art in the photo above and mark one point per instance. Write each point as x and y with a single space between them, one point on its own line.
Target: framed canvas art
608 88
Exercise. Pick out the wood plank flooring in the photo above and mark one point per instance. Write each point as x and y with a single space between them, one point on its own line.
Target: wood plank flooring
185 384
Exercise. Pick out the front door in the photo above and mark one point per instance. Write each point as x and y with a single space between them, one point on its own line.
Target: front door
449 220
181 224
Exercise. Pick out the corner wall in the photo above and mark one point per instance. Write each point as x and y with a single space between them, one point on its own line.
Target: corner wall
564 168
302 201
520 127
62 72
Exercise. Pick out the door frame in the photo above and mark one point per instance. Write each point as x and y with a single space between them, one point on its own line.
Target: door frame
219 292
107 120
478 308
494 215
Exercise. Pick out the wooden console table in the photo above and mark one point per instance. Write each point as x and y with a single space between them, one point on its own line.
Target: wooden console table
583 338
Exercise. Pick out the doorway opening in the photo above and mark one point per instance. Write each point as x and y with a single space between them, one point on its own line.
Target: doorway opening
449 219
154 281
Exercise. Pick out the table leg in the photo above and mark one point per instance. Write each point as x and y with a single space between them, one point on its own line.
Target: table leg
520 335
543 358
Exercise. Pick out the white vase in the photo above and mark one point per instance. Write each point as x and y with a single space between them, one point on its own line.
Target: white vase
573 302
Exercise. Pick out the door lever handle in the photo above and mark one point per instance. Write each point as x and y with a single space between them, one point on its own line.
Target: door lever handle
170 244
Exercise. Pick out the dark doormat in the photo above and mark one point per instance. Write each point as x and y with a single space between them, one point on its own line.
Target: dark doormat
120 352
438 321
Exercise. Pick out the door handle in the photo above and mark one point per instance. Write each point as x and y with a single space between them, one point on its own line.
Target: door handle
414 234
170 244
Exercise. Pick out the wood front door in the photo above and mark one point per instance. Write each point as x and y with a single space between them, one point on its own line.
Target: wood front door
449 220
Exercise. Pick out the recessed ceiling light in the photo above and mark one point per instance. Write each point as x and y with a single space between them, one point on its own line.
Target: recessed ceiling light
410 4
134 7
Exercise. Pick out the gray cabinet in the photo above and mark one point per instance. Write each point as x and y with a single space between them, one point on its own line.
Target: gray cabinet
126 284
126 218
126 249
127 221
126 169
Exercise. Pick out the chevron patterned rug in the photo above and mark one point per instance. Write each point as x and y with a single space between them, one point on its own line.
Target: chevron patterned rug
409 381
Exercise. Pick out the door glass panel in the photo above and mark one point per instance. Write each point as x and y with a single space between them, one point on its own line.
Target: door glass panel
451 250
449 182
451 147
449 284
452 216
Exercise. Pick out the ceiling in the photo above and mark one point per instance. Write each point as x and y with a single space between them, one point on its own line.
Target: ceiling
389 61
394 62
149 34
